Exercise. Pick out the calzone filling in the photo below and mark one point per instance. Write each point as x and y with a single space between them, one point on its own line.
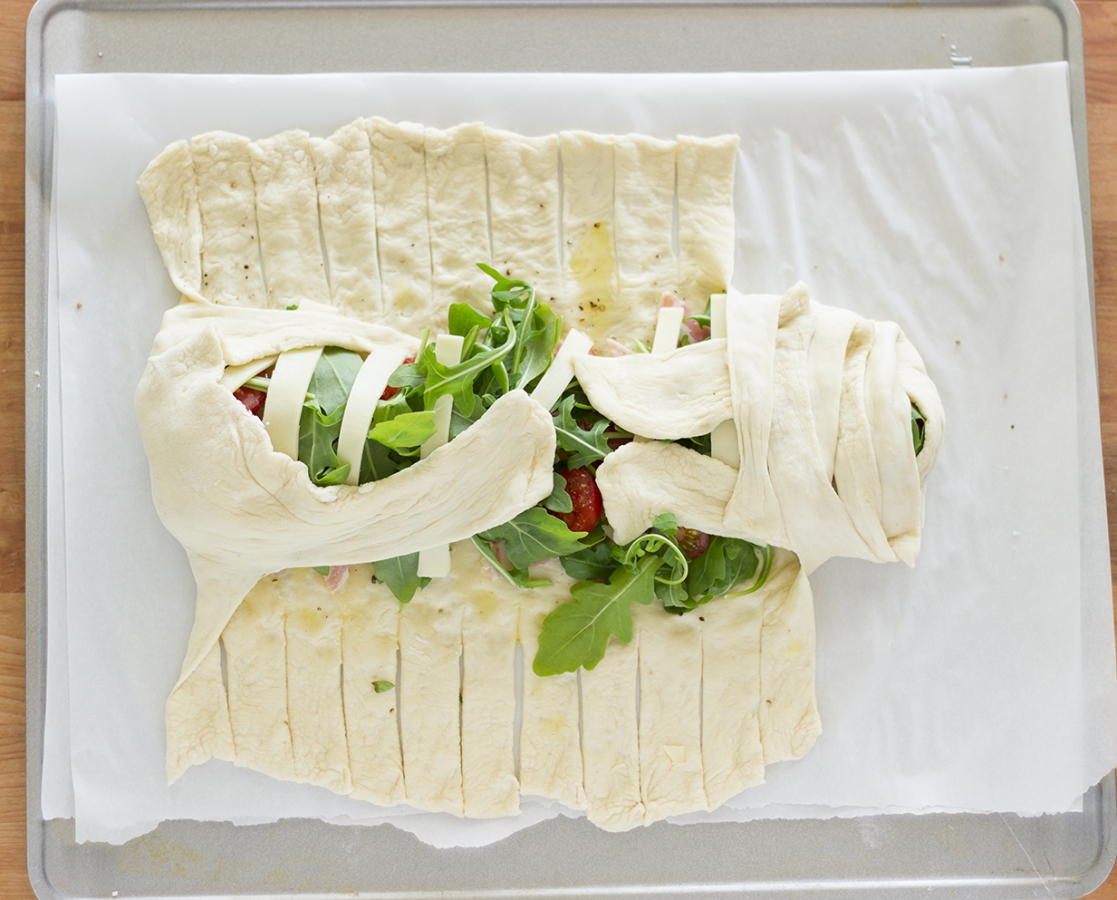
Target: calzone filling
430 396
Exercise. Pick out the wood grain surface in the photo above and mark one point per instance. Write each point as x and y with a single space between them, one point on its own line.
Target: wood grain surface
1099 20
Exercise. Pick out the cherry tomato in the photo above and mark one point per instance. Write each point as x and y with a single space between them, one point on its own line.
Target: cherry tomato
390 392
252 399
588 507
692 542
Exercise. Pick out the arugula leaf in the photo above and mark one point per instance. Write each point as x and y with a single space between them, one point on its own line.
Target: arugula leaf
404 431
322 570
380 686
459 422
377 462
666 523
918 424
317 436
595 563
333 378
725 564
559 501
534 535
462 318
576 634
457 381
401 574
584 446
407 375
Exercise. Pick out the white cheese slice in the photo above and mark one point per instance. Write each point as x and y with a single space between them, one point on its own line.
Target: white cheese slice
361 406
236 376
434 562
286 394
667 329
554 381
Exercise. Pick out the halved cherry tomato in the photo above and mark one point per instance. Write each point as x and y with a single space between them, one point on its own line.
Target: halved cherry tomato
252 399
588 507
692 542
390 392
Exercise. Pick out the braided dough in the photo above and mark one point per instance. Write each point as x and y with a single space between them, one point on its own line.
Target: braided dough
372 233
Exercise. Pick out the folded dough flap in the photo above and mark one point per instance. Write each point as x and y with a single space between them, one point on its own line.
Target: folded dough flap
246 510
820 396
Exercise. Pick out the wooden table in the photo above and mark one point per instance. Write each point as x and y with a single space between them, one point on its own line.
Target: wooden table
1099 20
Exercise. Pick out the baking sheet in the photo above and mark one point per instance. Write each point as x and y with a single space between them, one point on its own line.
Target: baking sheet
877 189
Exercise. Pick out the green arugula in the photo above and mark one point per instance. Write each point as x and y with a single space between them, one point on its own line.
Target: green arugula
401 574
559 501
576 634
323 409
532 536
404 432
918 425
380 686
584 446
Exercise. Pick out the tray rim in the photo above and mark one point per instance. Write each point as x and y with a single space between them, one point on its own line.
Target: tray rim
38 189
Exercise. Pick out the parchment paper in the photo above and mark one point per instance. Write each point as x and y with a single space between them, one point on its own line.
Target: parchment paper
945 200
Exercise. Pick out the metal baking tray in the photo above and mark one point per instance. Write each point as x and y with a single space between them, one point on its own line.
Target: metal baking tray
885 856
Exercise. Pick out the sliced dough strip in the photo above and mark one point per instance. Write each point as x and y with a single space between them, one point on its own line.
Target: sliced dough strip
256 661
671 773
550 737
198 727
457 208
287 213
402 233
489 621
610 747
644 200
732 756
789 722
170 194
231 272
590 294
707 230
430 640
314 697
369 641
347 212
524 206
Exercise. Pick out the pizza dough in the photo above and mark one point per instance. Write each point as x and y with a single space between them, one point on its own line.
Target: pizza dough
362 240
